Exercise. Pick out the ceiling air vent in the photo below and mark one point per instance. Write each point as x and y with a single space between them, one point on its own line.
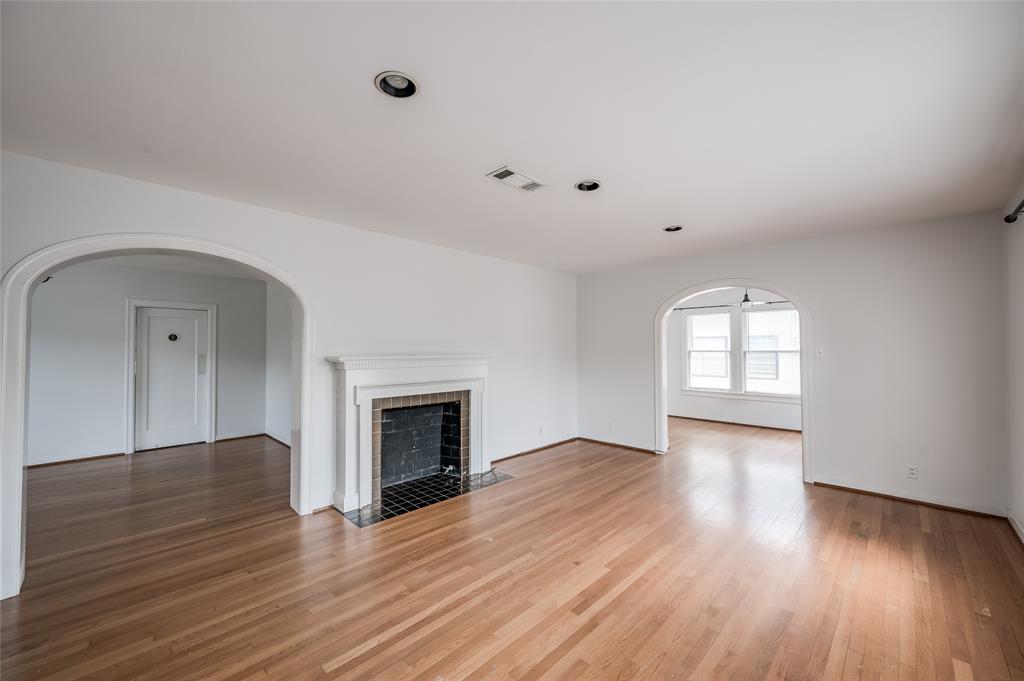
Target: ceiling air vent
506 175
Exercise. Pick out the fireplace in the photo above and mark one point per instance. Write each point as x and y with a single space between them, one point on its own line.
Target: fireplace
393 455
367 386
419 436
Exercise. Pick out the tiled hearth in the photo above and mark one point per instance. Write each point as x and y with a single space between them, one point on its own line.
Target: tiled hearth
409 496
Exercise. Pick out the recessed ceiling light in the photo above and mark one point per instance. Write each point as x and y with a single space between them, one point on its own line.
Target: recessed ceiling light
587 185
672 228
395 84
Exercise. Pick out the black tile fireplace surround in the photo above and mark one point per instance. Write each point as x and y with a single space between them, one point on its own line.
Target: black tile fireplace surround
419 438
421 455
420 441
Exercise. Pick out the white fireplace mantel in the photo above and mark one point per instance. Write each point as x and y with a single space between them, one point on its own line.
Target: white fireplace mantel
362 379
407 361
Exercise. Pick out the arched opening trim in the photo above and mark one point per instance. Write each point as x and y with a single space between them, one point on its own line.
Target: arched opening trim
15 291
806 360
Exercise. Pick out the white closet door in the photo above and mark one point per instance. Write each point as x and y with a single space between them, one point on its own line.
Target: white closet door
171 390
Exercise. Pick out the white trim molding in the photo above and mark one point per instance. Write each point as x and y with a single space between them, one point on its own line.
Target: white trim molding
1016 528
909 495
407 361
360 380
806 360
15 291
132 306
747 397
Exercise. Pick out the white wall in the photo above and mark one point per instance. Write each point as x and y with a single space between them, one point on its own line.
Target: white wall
895 312
367 293
77 354
1015 355
768 411
279 362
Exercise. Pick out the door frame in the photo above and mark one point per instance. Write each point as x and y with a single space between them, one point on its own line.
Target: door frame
132 306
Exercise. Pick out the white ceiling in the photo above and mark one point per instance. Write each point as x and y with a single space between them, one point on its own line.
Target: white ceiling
745 122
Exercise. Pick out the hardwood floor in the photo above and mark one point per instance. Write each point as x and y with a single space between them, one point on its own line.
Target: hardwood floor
713 562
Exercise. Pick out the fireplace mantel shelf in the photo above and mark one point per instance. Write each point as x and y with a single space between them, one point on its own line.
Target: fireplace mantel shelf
406 361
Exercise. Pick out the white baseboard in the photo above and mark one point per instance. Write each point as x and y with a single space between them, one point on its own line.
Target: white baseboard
12 587
284 439
1016 528
912 495
533 450
236 436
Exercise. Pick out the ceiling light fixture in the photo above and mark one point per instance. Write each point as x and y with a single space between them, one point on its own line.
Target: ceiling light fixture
588 185
672 228
395 84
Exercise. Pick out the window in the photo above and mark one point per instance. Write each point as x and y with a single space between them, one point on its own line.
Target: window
708 350
762 365
769 363
772 355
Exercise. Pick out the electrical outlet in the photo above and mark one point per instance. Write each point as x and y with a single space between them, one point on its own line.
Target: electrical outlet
540 430
611 425
912 471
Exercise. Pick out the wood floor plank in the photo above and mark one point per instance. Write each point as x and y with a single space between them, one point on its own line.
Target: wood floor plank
593 562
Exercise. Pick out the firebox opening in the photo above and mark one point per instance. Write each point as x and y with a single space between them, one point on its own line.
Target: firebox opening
417 442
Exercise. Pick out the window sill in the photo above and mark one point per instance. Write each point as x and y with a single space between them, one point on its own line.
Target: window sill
750 397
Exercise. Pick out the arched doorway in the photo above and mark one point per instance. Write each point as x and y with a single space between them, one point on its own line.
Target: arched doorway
15 291
661 359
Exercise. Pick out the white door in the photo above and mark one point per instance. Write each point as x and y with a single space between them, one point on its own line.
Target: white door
171 389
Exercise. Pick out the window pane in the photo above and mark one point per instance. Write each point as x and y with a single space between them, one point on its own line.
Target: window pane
709 331
708 346
710 343
709 370
787 374
762 342
763 366
773 352
773 330
709 364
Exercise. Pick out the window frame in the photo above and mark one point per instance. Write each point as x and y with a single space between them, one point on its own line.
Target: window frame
738 359
729 354
745 328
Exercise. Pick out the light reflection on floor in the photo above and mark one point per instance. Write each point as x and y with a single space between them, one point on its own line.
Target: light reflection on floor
733 474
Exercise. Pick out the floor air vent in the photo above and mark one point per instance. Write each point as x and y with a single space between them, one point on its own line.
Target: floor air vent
506 175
